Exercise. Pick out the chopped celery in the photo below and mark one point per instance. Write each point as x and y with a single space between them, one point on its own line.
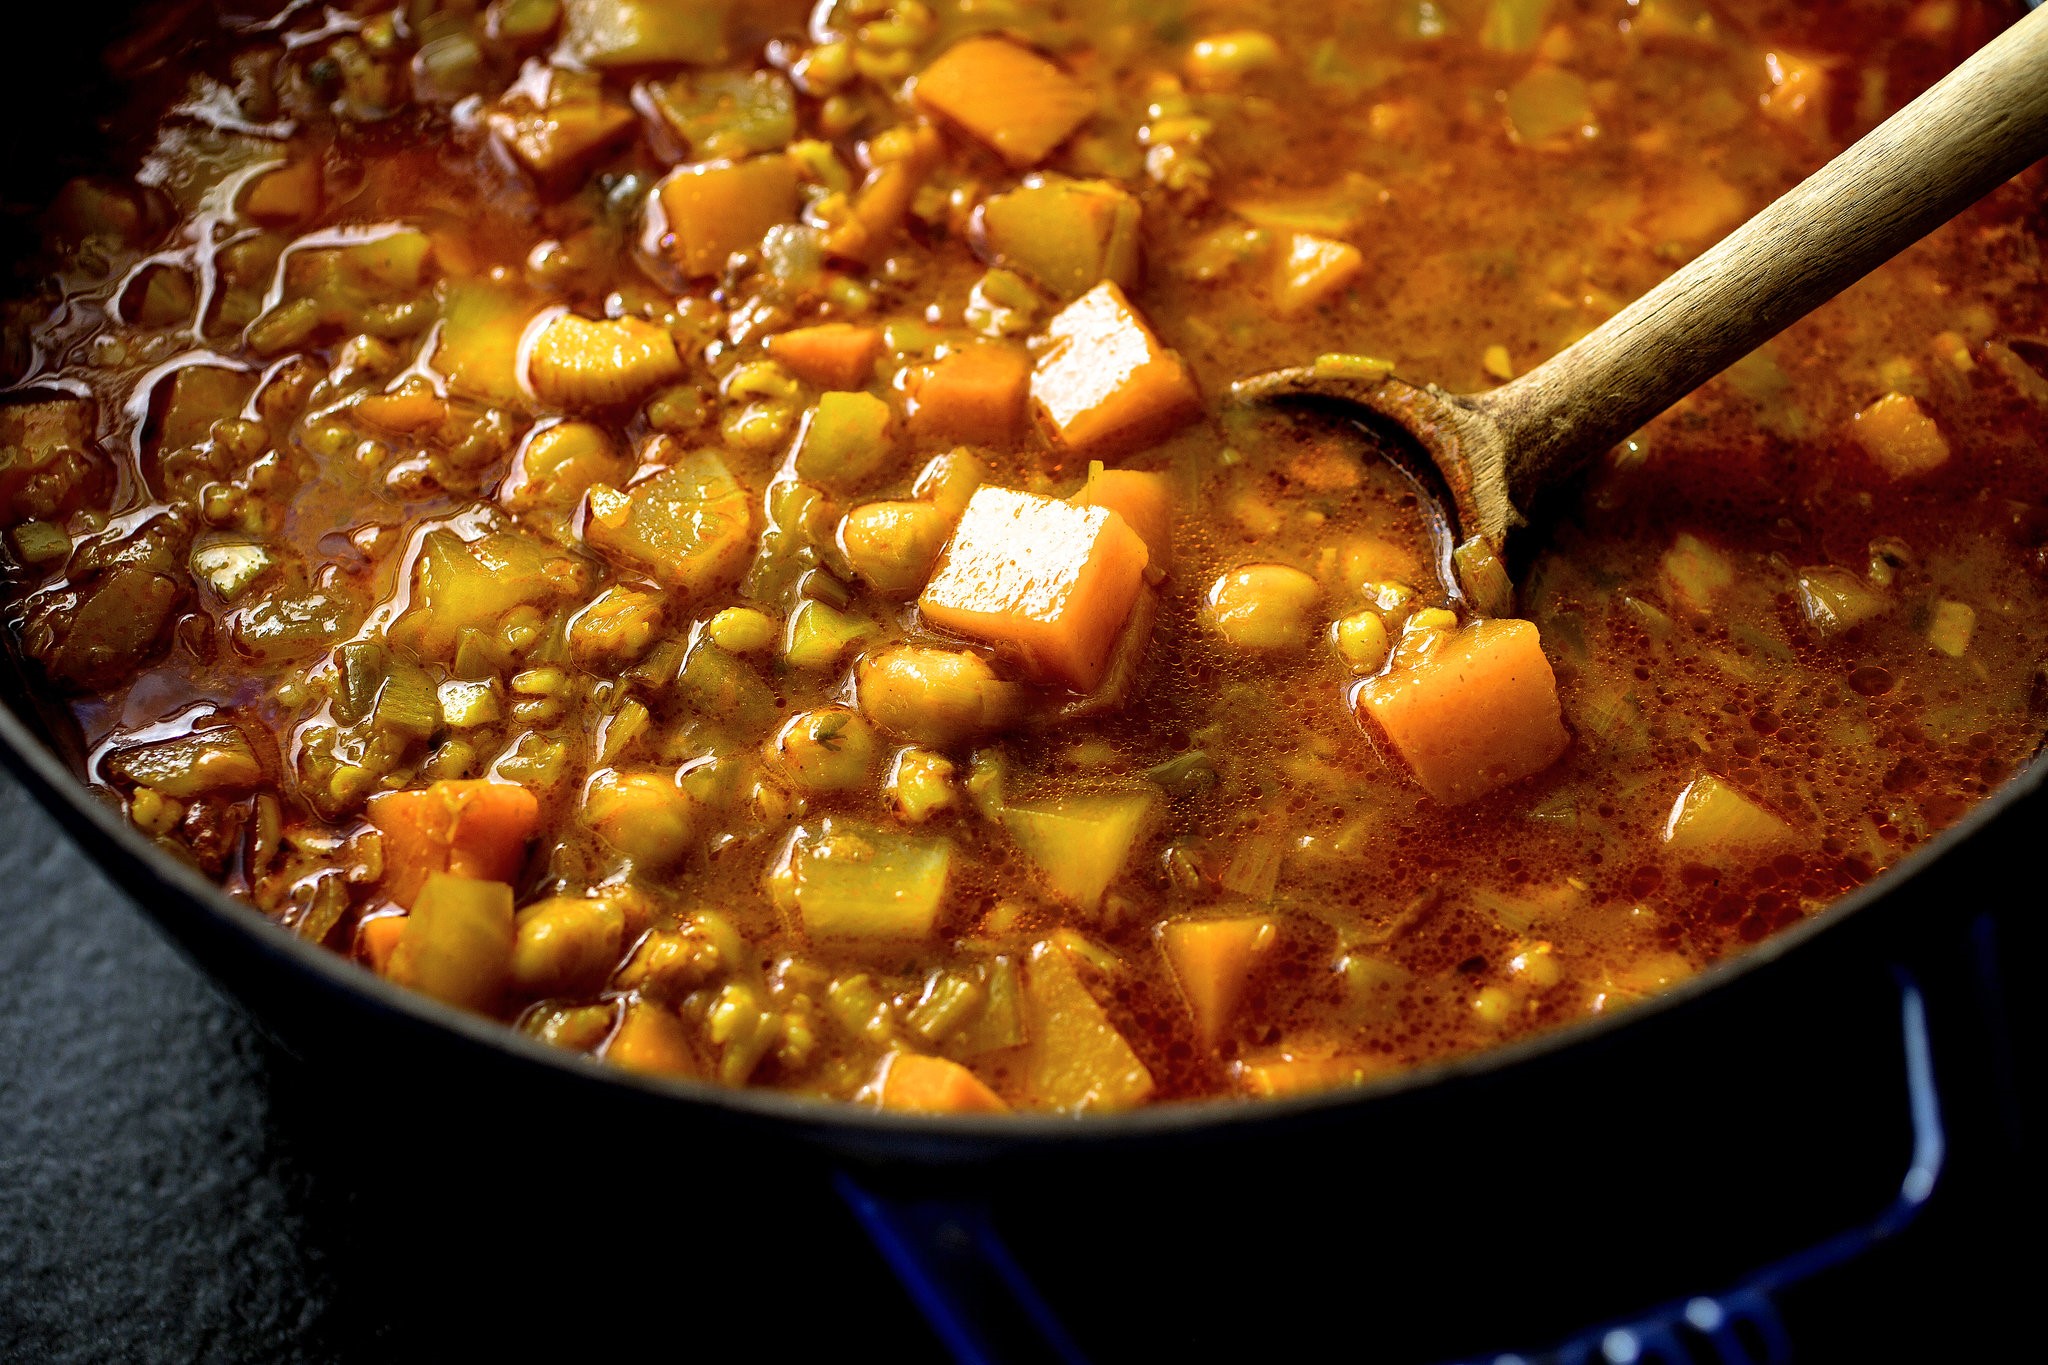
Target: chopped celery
1484 578
846 880
1066 235
1080 843
1548 102
1835 599
950 1000
1000 1023
819 636
1716 823
1254 868
1189 774
846 438
1077 1061
407 705
1333 211
728 114
191 765
607 33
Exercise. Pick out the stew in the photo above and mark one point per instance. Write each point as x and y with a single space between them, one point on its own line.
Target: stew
714 534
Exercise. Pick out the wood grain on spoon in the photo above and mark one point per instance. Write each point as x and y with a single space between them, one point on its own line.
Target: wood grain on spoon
1982 124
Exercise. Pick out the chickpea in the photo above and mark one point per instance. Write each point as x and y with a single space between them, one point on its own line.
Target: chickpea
742 630
921 785
559 464
567 945
1222 58
829 749
645 816
1263 606
1361 638
893 545
937 697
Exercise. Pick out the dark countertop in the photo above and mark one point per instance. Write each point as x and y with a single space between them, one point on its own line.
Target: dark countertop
173 1188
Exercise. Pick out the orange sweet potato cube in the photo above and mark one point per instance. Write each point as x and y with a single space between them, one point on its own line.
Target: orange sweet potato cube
832 355
974 394
1005 96
1475 714
1105 381
720 207
1145 502
1047 582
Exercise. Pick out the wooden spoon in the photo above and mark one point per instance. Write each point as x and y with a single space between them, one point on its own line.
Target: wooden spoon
1497 451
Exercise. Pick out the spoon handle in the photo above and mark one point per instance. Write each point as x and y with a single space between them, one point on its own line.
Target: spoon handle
1983 123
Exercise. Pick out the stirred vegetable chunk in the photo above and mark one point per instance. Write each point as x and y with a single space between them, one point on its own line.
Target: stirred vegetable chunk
1900 437
1212 960
832 355
1105 381
847 881
606 33
468 829
1473 715
973 394
935 696
688 527
563 131
721 207
1044 580
457 943
1065 235
1009 98
478 346
1312 271
1143 500
1076 1061
462 587
1081 843
916 1084
1715 823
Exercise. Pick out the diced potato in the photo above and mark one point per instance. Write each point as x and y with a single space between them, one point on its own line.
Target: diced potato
1715 823
1067 236
579 363
557 466
1313 270
722 207
1076 1061
689 527
1950 627
1835 599
615 629
728 113
1212 960
651 1039
916 1084
939 697
1145 502
191 765
1696 573
1473 715
1006 97
972 394
482 325
1082 842
1105 381
457 942
846 439
832 355
893 545
201 395
848 881
564 134
460 586
1901 438
568 945
607 33
1048 581
285 196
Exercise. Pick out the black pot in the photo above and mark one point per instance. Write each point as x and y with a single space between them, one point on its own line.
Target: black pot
1603 1169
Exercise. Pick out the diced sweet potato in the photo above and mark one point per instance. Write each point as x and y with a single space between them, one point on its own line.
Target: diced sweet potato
376 937
832 355
1007 97
1145 502
1475 714
973 394
1105 381
1900 437
651 1039
606 33
721 207
1212 959
916 1084
577 363
469 829
689 527
290 194
1312 270
1044 580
